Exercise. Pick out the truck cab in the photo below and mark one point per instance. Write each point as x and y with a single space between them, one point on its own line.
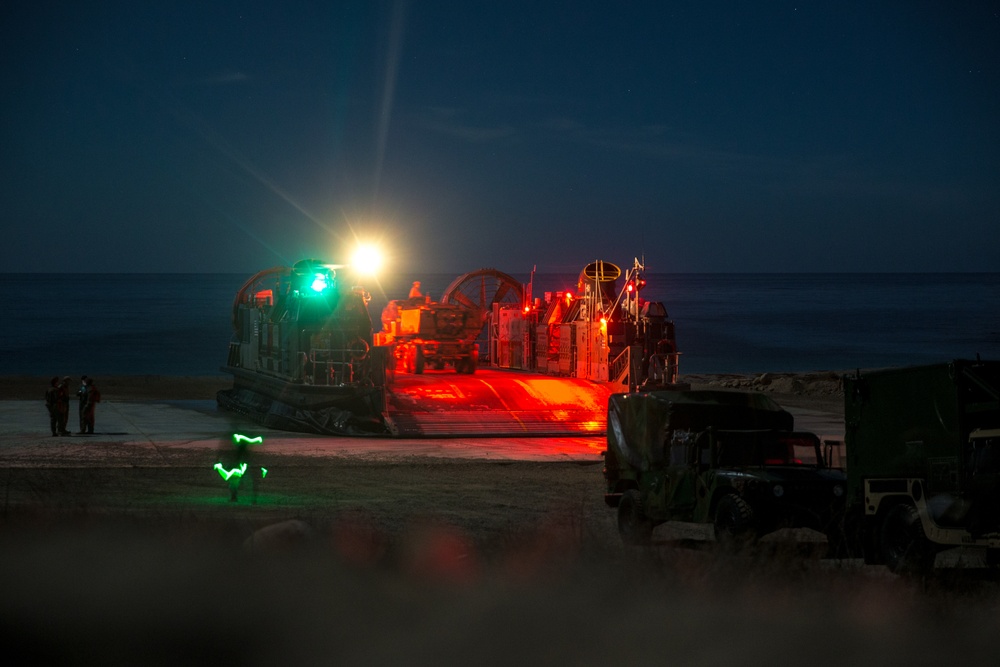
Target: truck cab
731 459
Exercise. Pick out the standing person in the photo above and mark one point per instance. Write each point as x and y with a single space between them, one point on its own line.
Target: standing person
93 395
52 404
242 468
62 401
81 393
415 292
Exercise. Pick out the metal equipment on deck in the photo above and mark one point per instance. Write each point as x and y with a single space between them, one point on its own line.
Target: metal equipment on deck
302 355
601 332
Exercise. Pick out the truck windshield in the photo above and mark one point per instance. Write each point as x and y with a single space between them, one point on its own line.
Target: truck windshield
755 450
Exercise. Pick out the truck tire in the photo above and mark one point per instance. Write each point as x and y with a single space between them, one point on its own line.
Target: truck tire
902 543
734 529
418 360
633 525
466 365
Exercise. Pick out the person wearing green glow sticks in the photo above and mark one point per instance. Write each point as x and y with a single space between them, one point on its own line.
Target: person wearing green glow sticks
242 468
235 472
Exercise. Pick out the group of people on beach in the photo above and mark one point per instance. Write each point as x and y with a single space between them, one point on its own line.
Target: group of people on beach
57 403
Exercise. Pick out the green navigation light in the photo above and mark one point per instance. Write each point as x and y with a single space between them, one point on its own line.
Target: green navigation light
320 282
237 439
235 472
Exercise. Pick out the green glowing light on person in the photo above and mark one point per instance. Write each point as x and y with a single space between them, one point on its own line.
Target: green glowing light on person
227 474
263 472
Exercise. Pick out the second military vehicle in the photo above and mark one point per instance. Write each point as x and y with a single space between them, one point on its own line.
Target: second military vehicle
923 444
425 334
722 457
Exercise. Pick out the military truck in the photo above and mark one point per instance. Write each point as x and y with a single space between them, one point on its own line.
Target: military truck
723 457
923 445
426 334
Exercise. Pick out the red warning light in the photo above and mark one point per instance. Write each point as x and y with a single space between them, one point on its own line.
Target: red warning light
635 285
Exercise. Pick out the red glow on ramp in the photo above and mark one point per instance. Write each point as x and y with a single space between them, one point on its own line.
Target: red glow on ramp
495 402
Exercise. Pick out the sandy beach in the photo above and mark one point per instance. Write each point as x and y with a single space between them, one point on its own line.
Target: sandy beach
133 542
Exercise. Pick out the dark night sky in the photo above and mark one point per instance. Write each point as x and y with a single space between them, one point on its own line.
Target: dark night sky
706 136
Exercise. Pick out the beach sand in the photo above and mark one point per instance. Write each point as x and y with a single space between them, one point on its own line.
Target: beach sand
417 560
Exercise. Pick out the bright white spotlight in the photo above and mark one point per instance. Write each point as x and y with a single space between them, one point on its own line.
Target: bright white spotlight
367 259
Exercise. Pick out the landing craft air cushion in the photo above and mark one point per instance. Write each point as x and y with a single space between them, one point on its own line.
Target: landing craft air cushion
304 355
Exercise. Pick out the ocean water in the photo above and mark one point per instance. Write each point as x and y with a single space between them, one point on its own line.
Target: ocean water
179 324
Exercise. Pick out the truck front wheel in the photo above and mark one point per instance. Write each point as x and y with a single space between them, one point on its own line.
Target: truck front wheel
734 528
633 525
904 547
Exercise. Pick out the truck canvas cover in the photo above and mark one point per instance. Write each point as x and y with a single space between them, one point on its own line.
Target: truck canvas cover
899 420
639 424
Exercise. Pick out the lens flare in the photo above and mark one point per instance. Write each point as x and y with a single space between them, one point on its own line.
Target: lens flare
367 259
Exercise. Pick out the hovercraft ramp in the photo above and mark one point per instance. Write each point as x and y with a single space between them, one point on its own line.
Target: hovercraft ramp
494 403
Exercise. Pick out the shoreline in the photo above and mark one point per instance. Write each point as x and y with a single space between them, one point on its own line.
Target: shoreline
121 387
788 388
